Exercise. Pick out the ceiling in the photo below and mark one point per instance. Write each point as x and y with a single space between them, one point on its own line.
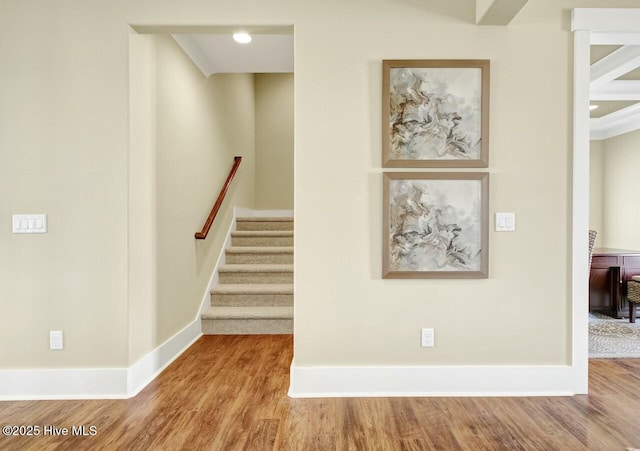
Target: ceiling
615 87
615 68
219 53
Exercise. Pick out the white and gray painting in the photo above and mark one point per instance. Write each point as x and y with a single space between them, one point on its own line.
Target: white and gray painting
435 113
435 225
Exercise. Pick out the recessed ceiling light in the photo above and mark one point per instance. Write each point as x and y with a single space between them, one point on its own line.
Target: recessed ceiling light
593 107
242 38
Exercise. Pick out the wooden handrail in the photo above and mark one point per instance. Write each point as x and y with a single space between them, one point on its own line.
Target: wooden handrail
214 211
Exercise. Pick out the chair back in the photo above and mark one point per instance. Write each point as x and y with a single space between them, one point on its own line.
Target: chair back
592 243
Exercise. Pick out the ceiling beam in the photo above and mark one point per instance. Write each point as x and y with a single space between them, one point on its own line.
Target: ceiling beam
497 12
599 38
616 123
617 90
612 66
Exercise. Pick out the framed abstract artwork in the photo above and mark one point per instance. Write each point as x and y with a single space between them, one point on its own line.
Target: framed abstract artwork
435 113
435 225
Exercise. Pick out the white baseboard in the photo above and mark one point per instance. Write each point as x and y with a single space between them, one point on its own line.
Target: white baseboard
141 373
414 381
96 383
78 383
213 280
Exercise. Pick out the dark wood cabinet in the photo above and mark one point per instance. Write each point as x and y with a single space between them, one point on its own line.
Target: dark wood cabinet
610 271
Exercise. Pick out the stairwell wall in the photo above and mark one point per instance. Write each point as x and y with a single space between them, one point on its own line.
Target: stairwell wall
274 141
202 123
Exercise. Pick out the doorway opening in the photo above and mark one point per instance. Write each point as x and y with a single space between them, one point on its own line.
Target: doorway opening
616 27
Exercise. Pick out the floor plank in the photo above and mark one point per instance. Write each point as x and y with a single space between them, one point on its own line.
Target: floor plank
230 393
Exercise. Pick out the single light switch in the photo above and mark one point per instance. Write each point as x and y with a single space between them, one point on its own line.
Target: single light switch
29 223
505 222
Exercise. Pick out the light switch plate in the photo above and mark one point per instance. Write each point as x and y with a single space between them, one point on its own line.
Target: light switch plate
505 222
29 223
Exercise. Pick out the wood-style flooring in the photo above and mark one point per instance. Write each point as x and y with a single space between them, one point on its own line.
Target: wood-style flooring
230 393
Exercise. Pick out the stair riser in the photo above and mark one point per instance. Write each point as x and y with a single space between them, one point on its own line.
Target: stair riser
248 300
262 241
264 225
247 326
256 277
259 258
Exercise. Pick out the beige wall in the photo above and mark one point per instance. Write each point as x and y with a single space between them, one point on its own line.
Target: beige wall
340 295
274 141
621 186
200 125
596 189
64 151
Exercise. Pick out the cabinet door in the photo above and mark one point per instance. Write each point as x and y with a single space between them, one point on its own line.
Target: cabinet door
631 264
599 289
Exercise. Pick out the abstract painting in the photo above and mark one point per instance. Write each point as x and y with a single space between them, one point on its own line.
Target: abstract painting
435 113
435 225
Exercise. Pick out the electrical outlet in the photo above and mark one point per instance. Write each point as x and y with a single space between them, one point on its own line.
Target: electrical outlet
428 338
55 339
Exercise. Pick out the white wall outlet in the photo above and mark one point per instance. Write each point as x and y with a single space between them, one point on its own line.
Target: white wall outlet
428 338
55 339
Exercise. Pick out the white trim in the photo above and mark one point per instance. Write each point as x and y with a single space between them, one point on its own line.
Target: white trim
587 23
580 230
213 280
96 383
141 373
388 381
614 65
615 38
610 20
622 121
83 383
617 90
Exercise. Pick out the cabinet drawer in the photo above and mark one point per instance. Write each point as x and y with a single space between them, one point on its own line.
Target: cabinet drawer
604 261
631 261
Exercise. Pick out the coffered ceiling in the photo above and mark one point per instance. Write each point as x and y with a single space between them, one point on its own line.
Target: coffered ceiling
615 86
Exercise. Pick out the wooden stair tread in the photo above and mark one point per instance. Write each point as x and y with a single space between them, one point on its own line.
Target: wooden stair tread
250 312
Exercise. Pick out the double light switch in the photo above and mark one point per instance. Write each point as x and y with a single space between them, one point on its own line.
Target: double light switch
29 223
505 222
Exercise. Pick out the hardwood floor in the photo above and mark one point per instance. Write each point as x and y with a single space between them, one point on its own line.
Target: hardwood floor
230 393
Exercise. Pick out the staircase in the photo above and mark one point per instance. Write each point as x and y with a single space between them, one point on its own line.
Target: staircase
254 294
